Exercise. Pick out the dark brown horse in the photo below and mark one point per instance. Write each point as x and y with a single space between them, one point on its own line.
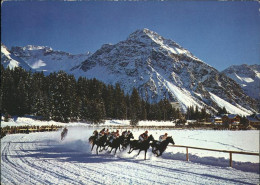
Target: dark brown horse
115 144
161 146
126 141
64 133
144 145
100 142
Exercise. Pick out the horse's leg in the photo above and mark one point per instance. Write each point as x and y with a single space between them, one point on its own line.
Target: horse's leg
97 149
153 149
116 149
111 149
161 152
145 154
92 146
106 146
139 152
130 149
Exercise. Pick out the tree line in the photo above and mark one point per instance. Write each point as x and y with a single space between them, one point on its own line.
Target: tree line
60 97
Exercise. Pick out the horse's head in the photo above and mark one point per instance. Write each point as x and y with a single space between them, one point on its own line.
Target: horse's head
170 140
151 138
131 136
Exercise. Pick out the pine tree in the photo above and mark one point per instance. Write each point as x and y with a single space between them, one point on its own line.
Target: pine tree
135 107
96 111
222 111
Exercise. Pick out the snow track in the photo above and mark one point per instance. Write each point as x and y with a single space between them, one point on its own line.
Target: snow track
41 158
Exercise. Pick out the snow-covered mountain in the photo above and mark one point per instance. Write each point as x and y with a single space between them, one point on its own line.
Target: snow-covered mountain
159 68
8 59
248 77
156 66
43 58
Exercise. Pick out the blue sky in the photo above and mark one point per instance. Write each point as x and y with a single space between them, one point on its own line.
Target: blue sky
219 33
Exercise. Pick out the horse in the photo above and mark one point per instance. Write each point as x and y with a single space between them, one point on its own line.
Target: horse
161 146
115 143
64 133
94 136
99 142
144 145
126 140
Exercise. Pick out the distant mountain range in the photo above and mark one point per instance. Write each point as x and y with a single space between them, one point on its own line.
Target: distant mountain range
248 77
158 67
43 58
8 59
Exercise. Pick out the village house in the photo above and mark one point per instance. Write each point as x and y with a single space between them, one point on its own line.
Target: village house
217 120
254 121
232 120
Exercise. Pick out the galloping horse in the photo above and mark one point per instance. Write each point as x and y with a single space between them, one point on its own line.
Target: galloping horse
115 143
93 137
136 145
126 141
99 142
161 146
64 133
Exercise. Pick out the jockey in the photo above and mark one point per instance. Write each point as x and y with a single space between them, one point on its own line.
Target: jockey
114 136
107 132
163 137
128 133
124 133
143 136
101 133
103 130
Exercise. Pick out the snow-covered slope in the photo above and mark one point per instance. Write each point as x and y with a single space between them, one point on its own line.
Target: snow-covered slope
159 68
248 77
43 58
8 59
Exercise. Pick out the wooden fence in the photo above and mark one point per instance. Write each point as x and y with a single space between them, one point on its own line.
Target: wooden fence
225 151
28 129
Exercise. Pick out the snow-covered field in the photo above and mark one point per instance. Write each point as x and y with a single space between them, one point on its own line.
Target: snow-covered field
41 158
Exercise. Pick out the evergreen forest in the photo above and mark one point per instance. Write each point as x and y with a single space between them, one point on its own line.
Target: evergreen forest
61 97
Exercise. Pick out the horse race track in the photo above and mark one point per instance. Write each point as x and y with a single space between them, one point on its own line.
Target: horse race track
41 158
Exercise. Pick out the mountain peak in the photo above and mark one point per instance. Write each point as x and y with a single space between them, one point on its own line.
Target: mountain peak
144 33
30 48
152 38
33 47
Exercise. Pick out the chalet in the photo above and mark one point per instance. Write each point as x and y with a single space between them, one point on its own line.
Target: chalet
217 120
254 121
232 120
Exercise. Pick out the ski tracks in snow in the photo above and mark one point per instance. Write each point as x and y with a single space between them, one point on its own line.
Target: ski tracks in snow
40 158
